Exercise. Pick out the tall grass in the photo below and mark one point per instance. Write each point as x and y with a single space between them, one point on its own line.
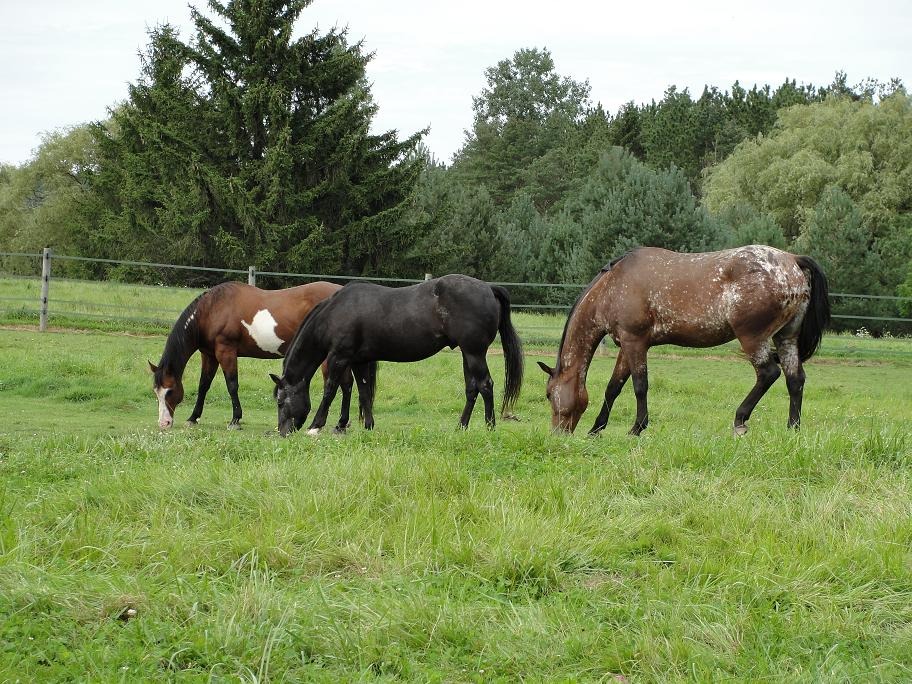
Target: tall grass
426 553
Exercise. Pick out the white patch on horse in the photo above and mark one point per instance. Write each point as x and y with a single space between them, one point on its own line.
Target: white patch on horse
189 320
789 358
262 330
760 356
164 415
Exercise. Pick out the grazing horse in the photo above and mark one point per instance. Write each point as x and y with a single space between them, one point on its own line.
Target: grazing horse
228 321
366 323
650 296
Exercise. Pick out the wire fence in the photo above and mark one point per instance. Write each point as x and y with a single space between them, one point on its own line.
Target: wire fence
28 295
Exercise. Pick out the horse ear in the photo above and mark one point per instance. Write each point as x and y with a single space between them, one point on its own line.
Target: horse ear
547 369
276 379
152 367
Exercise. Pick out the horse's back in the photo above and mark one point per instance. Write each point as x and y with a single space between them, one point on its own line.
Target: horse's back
704 299
694 275
412 322
259 323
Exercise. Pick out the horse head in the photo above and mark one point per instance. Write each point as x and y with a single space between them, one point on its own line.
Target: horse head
293 403
568 397
169 390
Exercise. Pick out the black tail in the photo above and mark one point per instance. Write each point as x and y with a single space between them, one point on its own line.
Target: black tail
817 317
513 356
368 390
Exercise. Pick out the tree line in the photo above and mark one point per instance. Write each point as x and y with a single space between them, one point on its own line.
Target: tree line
246 145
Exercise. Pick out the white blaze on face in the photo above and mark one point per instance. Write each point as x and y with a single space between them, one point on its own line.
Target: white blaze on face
165 419
262 330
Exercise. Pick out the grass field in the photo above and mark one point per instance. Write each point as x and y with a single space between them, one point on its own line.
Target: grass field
149 309
425 553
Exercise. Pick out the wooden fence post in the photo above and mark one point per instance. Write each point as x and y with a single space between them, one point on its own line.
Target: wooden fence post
251 275
45 287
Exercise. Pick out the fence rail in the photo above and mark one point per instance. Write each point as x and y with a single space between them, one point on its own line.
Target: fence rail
48 306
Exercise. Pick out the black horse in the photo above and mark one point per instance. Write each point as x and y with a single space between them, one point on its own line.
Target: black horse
363 323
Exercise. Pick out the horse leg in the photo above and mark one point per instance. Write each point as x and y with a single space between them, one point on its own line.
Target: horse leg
207 373
764 363
615 385
636 362
486 388
365 397
787 347
346 385
335 369
227 358
477 381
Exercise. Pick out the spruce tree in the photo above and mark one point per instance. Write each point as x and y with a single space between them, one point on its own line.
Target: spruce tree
259 145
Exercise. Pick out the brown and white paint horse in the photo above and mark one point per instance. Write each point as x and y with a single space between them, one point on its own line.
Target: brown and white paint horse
759 295
228 321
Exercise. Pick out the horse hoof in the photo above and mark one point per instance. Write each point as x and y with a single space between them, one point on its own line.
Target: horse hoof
234 426
510 416
191 423
339 430
313 432
740 430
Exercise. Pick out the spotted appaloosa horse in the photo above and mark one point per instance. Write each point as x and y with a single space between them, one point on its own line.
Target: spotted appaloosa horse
757 294
228 321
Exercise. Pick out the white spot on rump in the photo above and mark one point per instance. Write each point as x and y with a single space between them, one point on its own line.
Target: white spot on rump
262 330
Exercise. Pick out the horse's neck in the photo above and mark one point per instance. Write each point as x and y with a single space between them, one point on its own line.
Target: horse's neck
303 359
582 337
181 345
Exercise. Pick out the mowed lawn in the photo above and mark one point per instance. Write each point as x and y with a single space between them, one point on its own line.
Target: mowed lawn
422 552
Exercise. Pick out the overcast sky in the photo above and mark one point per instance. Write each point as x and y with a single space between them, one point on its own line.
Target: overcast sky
64 63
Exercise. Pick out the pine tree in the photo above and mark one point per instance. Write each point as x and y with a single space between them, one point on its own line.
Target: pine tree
154 168
258 147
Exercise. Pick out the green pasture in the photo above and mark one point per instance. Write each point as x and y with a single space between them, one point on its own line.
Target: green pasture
150 309
421 552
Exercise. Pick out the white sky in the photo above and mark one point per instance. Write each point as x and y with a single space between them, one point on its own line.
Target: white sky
64 62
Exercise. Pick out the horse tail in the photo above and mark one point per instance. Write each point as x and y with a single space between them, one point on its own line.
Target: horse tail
817 316
368 389
512 346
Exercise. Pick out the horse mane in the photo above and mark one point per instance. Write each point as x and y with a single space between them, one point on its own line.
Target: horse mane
607 267
614 262
303 331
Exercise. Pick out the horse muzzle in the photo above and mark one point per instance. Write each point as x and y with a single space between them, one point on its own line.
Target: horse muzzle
563 425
